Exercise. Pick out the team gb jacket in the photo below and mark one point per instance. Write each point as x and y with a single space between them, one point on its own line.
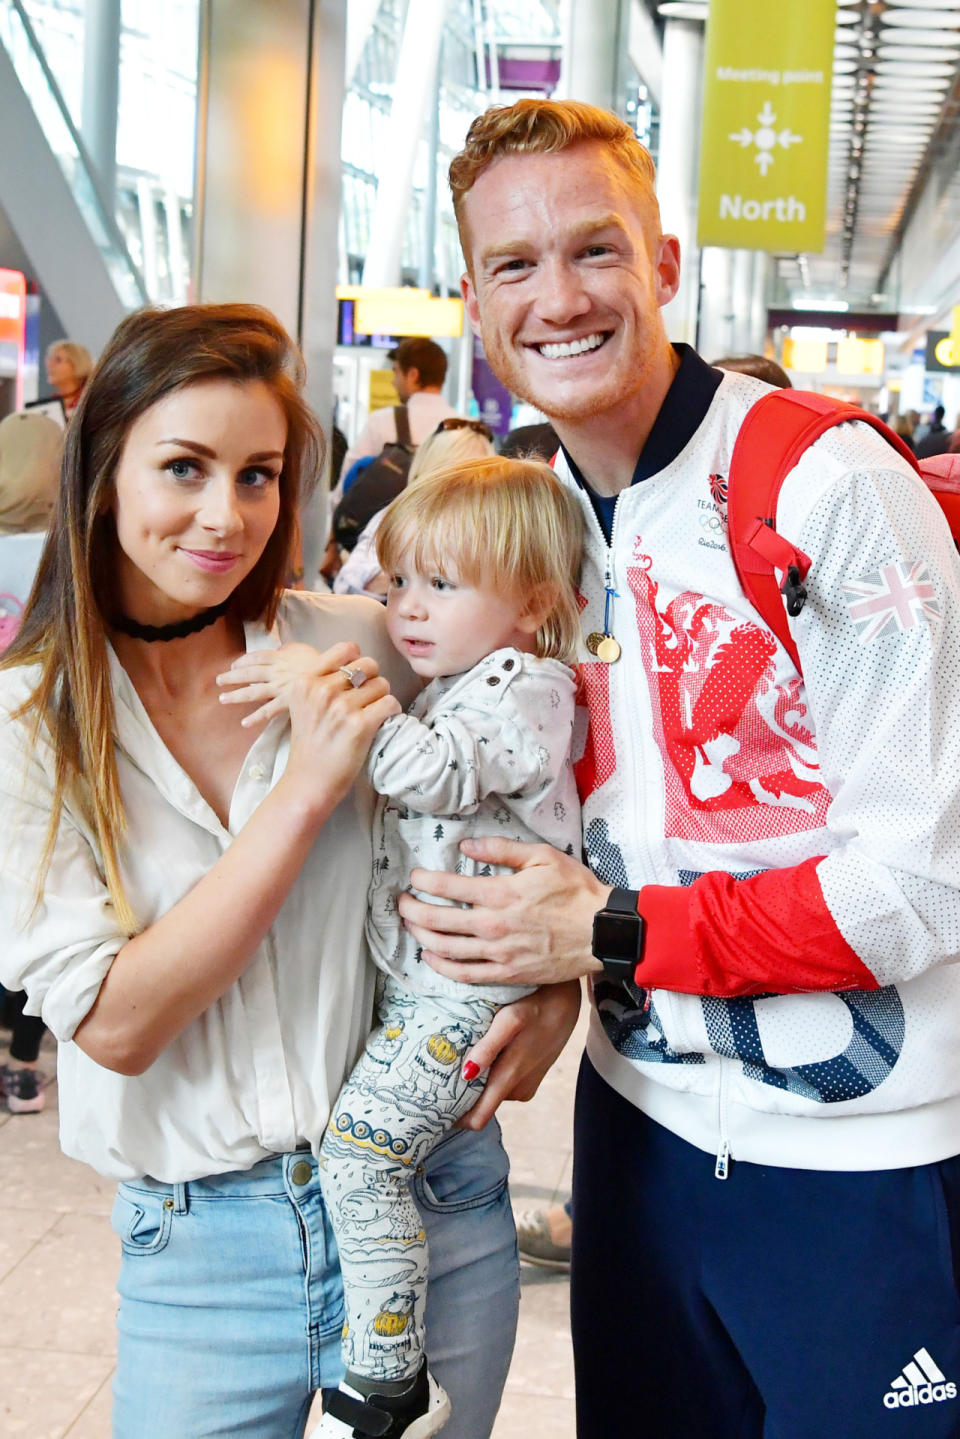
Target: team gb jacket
795 841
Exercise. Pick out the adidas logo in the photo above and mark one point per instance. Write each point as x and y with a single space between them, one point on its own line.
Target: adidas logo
921 1382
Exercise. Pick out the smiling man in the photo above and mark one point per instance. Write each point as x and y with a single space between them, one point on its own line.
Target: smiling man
768 1118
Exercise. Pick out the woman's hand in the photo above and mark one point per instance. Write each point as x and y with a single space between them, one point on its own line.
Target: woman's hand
521 1044
332 721
269 676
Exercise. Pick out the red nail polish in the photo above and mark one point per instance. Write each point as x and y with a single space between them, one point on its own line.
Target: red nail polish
470 1070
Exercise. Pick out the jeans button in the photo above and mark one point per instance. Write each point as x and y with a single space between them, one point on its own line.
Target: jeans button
301 1173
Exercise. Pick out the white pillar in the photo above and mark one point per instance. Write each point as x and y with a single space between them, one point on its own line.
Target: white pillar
101 90
758 301
318 302
716 302
412 92
678 165
268 197
428 242
591 54
359 15
741 286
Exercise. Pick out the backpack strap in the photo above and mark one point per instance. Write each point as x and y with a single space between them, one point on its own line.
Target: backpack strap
773 436
402 421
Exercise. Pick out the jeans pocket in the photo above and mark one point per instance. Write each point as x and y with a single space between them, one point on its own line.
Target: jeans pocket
466 1170
142 1220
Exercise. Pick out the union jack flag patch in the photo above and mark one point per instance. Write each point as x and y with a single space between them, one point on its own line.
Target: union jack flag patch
890 600
718 490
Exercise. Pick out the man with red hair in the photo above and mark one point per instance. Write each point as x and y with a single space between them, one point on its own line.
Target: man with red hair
766 1177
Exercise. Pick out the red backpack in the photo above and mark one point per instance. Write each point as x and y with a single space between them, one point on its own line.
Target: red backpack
772 438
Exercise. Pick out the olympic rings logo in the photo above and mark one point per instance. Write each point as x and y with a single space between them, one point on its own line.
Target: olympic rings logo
713 523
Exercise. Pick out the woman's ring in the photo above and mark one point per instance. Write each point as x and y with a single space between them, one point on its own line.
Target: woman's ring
357 677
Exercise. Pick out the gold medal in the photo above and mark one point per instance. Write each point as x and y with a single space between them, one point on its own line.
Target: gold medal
608 650
595 640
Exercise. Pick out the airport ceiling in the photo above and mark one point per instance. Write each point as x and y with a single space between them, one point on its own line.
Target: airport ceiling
893 126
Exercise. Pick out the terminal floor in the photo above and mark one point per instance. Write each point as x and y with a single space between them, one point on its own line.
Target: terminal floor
58 1266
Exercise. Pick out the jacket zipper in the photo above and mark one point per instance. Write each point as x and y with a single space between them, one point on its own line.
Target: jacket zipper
627 730
722 1167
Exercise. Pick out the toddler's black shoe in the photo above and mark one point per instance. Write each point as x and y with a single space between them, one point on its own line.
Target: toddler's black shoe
372 1409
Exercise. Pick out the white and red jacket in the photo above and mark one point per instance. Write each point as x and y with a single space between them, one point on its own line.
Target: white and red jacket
795 841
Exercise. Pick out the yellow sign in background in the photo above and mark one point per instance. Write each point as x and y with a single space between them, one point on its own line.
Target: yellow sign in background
383 391
766 124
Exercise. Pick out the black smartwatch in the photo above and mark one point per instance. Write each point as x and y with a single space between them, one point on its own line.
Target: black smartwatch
618 932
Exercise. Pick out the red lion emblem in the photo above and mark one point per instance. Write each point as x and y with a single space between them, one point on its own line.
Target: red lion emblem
739 757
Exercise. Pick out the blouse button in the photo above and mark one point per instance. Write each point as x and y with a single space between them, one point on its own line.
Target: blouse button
257 771
493 680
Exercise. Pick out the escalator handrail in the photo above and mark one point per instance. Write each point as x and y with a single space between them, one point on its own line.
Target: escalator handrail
108 219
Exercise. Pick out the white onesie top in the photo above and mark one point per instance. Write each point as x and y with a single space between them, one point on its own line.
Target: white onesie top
480 754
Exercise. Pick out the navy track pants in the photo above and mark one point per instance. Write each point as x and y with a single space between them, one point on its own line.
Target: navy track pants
782 1303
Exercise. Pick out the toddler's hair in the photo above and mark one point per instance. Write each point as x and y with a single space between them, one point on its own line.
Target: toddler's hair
505 525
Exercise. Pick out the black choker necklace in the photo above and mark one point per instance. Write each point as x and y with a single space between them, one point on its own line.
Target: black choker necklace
179 631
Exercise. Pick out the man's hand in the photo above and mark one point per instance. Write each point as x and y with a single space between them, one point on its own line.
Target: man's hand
519 1047
531 927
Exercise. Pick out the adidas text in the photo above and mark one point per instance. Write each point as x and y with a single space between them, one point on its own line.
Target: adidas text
919 1394
921 1381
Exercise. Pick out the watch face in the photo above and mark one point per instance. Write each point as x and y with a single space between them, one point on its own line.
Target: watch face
616 935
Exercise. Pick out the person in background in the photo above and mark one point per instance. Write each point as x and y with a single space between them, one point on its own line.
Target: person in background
761 367
419 370
338 449
531 441
68 366
936 439
453 441
185 907
904 428
29 468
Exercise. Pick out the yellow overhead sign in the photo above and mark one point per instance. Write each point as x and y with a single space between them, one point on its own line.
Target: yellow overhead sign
807 356
766 119
860 357
407 313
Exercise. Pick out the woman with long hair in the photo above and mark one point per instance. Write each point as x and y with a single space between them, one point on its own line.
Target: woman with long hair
185 907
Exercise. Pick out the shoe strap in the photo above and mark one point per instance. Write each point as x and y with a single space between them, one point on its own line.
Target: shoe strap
364 1418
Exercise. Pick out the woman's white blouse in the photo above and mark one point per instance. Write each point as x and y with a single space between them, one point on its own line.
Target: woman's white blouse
258 1071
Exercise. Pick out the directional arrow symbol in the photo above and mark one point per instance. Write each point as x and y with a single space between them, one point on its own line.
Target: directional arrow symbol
766 116
764 159
744 138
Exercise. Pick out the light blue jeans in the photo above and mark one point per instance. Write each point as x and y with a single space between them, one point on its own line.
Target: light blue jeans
231 1304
